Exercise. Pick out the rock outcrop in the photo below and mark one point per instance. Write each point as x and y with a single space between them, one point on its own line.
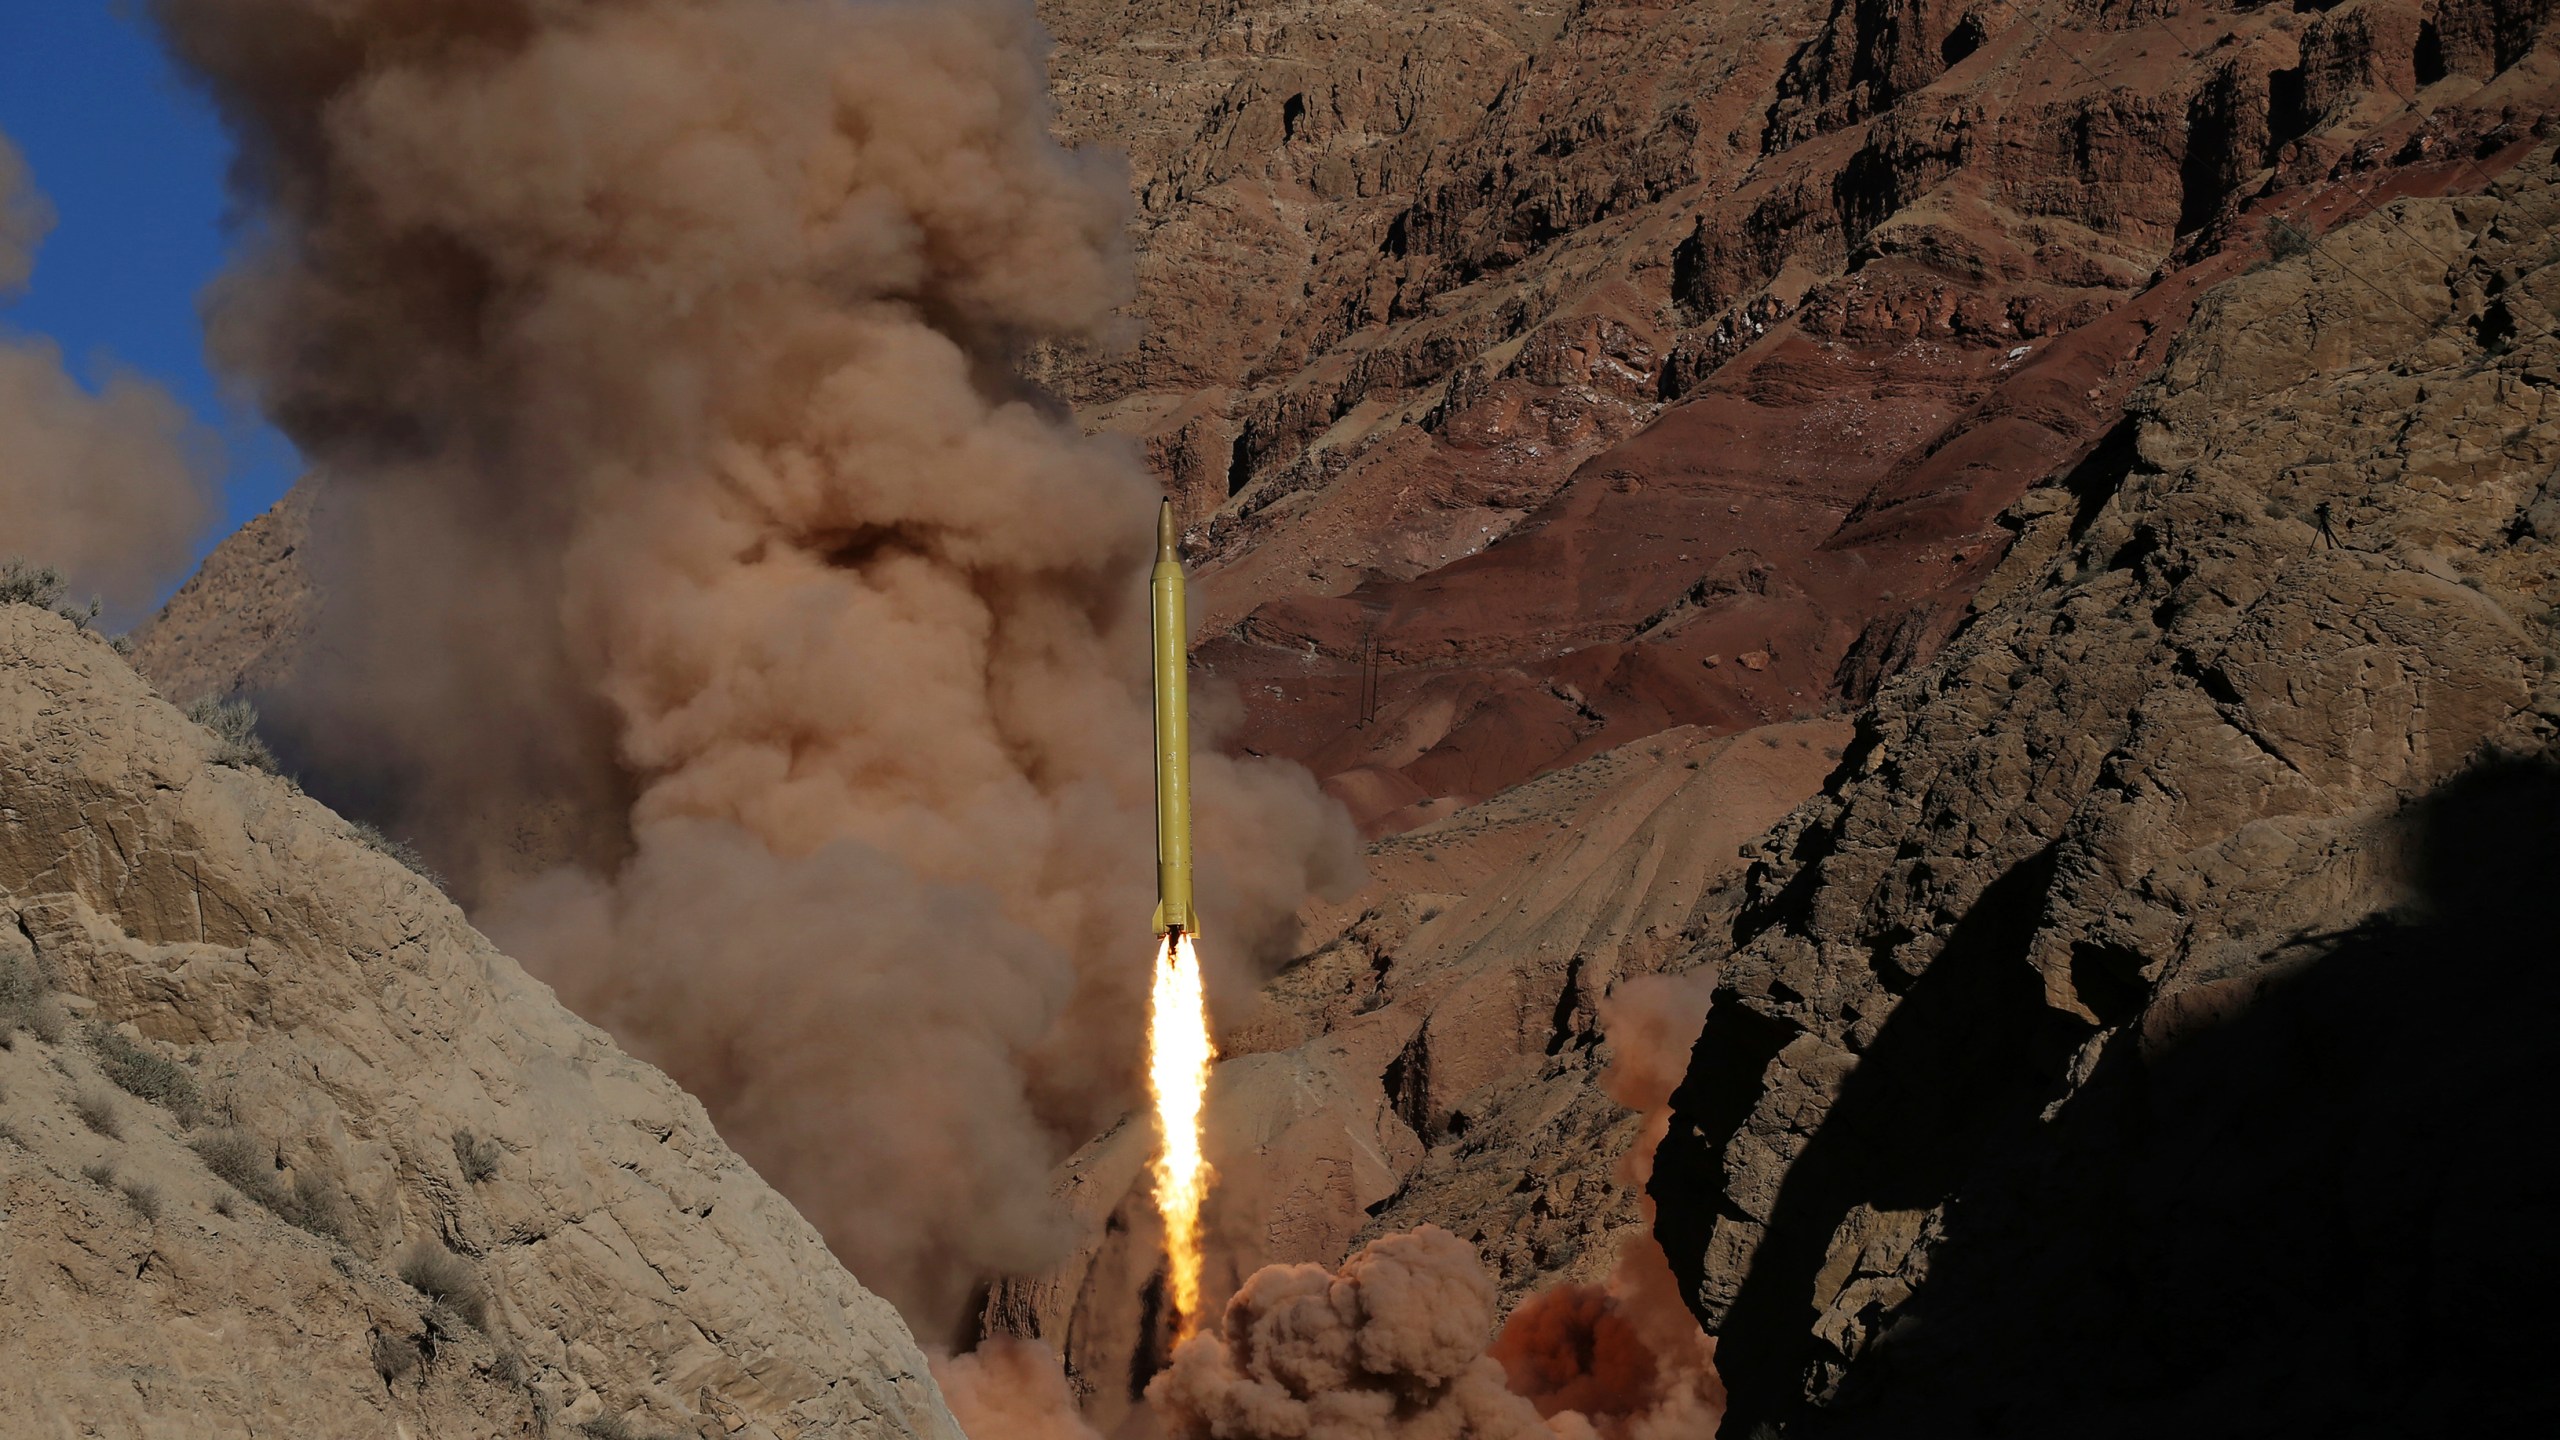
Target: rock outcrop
1544 377
2140 1035
290 1149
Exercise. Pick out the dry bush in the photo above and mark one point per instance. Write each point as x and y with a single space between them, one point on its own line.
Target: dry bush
442 1276
140 1073
26 1004
97 1110
24 584
394 1356
400 850
614 1427
143 1196
248 1166
478 1155
234 724
100 1174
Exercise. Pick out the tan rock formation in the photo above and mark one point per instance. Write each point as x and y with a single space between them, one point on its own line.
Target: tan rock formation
387 1096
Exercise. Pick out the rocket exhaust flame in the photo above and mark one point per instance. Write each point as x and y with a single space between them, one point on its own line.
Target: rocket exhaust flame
1179 1053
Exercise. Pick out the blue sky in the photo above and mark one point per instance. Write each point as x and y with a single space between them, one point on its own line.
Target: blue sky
133 162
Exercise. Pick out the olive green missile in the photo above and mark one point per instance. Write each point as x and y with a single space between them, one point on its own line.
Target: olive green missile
1174 915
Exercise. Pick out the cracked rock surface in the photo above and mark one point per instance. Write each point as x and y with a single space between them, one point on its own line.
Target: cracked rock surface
2135 1035
340 1083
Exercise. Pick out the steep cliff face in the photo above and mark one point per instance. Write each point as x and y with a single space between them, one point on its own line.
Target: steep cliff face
288 1148
2135 1035
1541 379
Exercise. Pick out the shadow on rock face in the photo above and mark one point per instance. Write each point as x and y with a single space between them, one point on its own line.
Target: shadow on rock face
2311 1198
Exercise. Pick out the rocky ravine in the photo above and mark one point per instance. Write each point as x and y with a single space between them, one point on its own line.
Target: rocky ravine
2143 1036
383 1183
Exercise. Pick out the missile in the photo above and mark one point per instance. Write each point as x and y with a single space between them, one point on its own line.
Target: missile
1174 916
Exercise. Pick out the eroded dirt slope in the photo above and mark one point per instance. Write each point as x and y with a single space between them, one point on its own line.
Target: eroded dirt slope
360 1174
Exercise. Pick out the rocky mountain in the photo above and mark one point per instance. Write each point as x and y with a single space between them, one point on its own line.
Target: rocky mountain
287 1147
2011 540
2136 1034
1542 376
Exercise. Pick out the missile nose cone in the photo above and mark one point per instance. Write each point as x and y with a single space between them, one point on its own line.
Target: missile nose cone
1167 537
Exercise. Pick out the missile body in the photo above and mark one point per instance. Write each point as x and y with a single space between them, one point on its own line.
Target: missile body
1174 915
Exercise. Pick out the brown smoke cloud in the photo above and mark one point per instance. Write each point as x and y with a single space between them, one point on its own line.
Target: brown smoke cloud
686 523
1394 1346
112 488
1009 1389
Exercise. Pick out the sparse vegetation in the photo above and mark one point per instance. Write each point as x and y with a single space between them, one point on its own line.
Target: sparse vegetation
140 1073
394 1356
234 724
400 850
442 1276
143 1196
26 1004
614 1427
24 584
509 1367
100 1174
241 1162
20 990
477 1154
97 1110
225 1204
2285 240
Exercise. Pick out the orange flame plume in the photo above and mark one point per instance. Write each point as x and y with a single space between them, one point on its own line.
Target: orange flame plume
1179 1051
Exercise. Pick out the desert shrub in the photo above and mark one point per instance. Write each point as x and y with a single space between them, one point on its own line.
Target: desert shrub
318 1207
247 1166
2285 240
447 1278
83 616
143 1196
144 1075
394 1356
25 1004
509 1368
10 1133
477 1154
97 1110
234 724
100 1174
400 850
226 1204
614 1427
24 584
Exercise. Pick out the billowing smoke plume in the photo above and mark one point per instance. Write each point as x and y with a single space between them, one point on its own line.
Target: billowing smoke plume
1391 1345
111 489
1009 1389
1394 1346
686 523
